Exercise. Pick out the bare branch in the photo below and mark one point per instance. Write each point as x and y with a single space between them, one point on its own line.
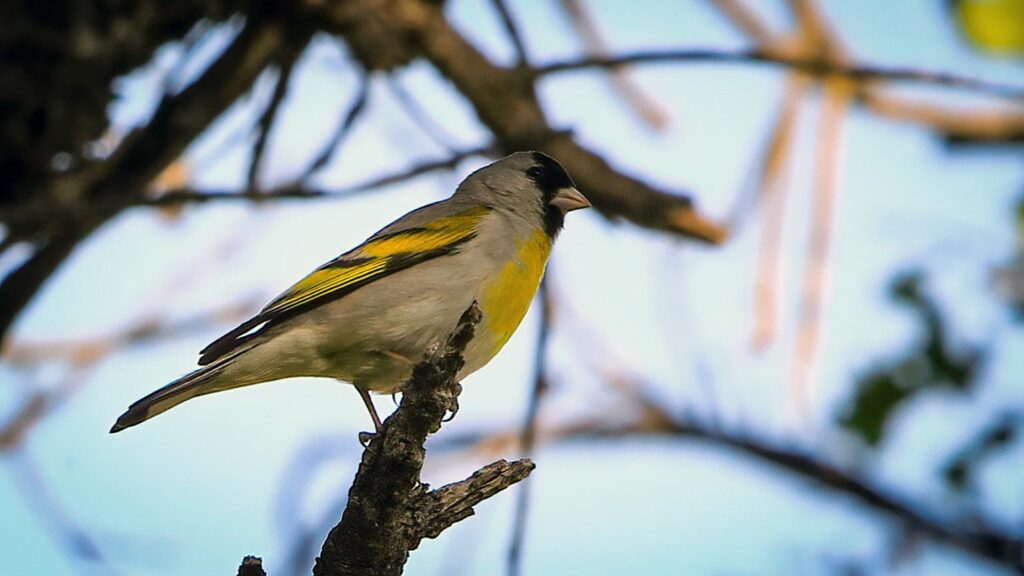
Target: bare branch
812 66
647 108
528 433
971 533
954 122
513 32
419 116
389 509
951 121
148 330
454 502
745 20
120 181
343 130
838 97
505 101
251 566
24 419
269 116
20 285
296 191
771 195
975 537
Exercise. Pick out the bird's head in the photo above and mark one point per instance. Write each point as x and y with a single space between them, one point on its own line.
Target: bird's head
531 185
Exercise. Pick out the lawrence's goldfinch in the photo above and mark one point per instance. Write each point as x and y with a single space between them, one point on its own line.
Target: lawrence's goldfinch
369 315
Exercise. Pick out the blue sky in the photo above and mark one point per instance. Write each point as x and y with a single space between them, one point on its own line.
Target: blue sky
193 491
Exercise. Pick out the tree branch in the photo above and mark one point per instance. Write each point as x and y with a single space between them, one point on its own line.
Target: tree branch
453 502
528 432
812 66
20 285
513 32
505 101
269 117
82 202
389 509
348 121
298 190
419 116
972 534
647 109
974 537
954 122
251 566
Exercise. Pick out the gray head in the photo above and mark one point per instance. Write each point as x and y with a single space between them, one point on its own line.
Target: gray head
531 185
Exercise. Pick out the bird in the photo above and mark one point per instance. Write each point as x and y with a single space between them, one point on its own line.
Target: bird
368 316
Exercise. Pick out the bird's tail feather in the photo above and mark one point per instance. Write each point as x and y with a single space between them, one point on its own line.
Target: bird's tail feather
184 388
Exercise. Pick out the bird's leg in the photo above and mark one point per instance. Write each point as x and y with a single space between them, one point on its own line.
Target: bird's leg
398 357
364 437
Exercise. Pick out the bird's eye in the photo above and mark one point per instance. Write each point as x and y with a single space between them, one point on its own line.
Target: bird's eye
534 172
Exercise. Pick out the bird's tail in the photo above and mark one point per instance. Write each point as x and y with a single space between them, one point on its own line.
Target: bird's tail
188 386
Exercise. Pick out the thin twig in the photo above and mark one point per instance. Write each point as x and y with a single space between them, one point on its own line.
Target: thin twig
970 532
300 191
956 122
508 105
528 434
986 124
772 198
743 18
147 330
120 181
267 119
84 355
647 109
812 66
513 32
355 110
194 41
419 116
838 98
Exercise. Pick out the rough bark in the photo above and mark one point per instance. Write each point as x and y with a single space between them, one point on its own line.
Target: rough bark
389 509
251 566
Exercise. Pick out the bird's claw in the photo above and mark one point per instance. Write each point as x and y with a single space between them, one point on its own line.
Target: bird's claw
453 406
365 437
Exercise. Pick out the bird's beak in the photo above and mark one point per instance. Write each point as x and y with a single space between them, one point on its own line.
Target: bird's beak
569 199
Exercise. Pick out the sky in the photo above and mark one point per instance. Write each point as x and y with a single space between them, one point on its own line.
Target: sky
194 490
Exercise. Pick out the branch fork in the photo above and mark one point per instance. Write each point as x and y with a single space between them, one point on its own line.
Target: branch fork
389 509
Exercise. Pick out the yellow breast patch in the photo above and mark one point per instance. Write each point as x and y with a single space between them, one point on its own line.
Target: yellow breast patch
508 295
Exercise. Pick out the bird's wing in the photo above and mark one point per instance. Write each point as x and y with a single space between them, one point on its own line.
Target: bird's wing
419 236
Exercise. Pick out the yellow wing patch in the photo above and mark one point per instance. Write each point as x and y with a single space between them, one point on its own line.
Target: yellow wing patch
436 235
433 236
323 282
379 256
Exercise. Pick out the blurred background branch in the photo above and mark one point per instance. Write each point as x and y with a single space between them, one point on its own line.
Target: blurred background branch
74 172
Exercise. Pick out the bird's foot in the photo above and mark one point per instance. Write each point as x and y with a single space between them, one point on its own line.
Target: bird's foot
365 437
